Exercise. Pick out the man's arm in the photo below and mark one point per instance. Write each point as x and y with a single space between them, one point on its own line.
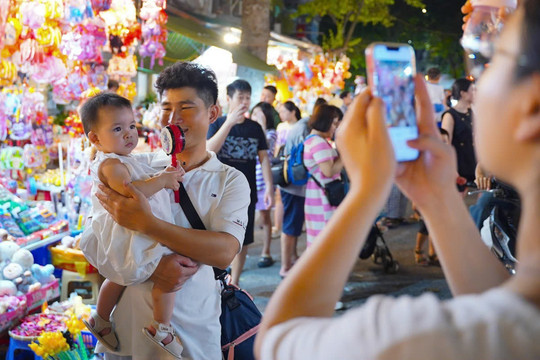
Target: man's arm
208 247
215 143
215 248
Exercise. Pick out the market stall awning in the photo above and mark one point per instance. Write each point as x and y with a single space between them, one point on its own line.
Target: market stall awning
189 39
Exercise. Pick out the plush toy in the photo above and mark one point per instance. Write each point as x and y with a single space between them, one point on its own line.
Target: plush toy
26 283
43 274
7 249
24 258
7 288
12 271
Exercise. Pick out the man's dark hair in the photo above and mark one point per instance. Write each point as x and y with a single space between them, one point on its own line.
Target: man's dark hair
272 89
344 94
89 110
289 105
323 117
529 60
238 85
185 74
113 84
320 101
433 73
459 86
268 111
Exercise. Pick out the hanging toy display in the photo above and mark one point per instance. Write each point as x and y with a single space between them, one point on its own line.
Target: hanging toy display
34 156
4 11
11 158
154 33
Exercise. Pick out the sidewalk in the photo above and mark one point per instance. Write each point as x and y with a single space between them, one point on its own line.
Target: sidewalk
366 278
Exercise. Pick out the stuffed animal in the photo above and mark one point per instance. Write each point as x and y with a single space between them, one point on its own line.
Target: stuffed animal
7 288
12 271
7 249
43 274
26 282
23 257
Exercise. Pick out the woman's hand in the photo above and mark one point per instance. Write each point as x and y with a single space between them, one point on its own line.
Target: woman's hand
435 171
364 146
132 212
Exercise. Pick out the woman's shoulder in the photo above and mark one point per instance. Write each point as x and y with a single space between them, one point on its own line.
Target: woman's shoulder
316 141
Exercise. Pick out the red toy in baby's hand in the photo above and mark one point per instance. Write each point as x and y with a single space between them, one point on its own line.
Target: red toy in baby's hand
173 141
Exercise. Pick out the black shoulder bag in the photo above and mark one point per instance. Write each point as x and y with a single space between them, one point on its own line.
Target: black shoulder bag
334 190
239 318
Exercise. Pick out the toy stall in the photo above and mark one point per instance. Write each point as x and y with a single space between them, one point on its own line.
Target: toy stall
54 55
303 77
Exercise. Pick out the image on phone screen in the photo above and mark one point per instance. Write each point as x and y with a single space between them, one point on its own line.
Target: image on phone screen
393 81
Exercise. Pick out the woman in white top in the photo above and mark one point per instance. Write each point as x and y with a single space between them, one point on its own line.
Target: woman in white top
492 316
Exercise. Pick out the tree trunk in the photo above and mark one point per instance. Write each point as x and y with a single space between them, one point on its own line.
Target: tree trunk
256 27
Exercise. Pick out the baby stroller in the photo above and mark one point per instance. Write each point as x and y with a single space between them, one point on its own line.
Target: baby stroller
377 248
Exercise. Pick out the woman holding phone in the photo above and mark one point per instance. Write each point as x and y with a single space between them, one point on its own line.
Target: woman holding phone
491 316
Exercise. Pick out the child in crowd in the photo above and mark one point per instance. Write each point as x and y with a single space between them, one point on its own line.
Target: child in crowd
109 124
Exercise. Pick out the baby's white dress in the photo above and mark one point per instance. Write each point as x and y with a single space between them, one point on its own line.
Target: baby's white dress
142 254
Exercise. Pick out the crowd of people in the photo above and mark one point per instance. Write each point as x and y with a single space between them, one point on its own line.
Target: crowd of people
159 269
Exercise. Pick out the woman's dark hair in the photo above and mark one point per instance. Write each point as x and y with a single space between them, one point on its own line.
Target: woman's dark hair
529 61
268 112
89 110
289 105
459 86
185 74
320 101
323 117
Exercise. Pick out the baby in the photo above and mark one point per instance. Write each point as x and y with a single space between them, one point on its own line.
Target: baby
109 124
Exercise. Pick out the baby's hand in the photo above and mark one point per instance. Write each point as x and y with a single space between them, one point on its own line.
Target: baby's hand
171 177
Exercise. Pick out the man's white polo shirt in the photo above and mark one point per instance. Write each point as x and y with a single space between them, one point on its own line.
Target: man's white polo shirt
221 196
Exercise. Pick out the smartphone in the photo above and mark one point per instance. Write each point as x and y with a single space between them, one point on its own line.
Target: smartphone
391 70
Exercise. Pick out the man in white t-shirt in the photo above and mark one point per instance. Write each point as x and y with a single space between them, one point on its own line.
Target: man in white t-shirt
188 96
436 92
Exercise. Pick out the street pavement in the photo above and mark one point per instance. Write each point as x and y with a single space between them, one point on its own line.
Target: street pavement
366 279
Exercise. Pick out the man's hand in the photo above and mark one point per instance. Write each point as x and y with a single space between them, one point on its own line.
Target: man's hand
132 212
236 115
171 177
173 271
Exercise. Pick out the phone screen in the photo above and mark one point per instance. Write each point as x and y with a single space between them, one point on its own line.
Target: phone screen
392 71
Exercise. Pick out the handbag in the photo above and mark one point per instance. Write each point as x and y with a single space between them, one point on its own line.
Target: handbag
239 317
279 169
334 190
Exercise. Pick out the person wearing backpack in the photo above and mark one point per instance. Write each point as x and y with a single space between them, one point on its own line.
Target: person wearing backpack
293 198
289 114
324 165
